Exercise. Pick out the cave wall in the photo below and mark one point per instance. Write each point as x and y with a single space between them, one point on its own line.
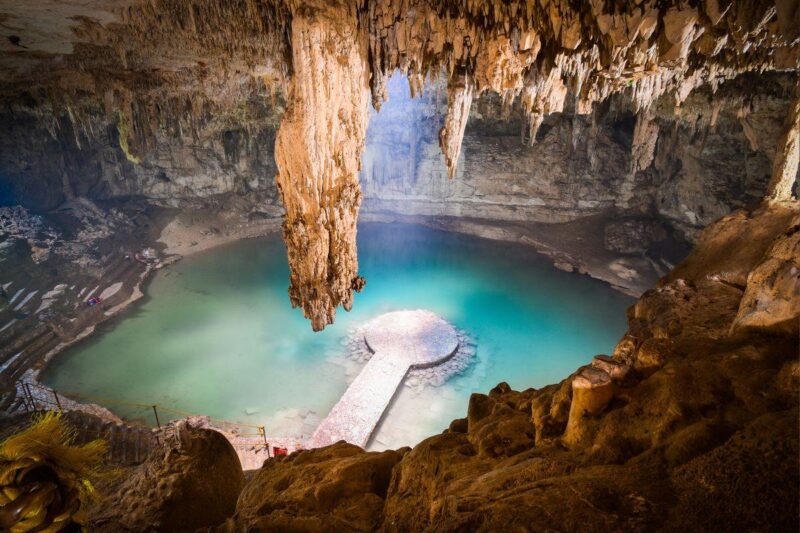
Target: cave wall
199 149
147 67
579 165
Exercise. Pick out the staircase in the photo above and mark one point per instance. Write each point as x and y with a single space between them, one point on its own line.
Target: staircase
128 444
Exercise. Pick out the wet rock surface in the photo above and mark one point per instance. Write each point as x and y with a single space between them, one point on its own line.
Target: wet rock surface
631 442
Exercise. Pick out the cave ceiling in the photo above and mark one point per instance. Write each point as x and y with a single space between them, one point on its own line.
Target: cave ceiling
160 65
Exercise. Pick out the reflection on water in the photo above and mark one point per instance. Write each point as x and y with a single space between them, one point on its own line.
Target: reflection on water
217 335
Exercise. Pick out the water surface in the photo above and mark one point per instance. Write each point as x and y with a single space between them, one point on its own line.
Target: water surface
217 335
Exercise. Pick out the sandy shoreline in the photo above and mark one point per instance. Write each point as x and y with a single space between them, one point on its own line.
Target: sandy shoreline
185 235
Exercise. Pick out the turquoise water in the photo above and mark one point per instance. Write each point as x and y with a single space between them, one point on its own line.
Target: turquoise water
217 335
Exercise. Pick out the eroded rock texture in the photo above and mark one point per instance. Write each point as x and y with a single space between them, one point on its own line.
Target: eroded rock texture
137 96
336 488
686 410
192 480
318 152
787 157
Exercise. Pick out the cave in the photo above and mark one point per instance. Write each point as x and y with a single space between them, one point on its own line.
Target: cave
420 265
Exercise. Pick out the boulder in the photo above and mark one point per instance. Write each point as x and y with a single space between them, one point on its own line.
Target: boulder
191 481
652 355
550 411
771 300
503 432
336 488
613 367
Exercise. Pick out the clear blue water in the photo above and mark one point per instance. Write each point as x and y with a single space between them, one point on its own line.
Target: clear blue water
217 335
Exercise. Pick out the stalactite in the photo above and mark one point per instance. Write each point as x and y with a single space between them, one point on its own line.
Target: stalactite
318 153
787 158
459 100
645 136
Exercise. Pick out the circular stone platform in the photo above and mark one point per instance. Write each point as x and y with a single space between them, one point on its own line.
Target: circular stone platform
420 337
400 342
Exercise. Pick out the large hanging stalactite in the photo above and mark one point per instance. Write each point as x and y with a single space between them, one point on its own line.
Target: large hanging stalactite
318 153
171 66
459 100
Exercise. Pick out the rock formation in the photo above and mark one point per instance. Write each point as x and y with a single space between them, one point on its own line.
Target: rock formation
648 120
686 410
132 76
191 481
318 152
337 488
787 158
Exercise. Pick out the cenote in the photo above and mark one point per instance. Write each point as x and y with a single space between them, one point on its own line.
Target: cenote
217 336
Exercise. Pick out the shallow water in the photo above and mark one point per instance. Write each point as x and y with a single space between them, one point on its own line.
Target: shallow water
217 335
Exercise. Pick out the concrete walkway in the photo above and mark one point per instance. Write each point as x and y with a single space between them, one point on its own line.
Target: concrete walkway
400 341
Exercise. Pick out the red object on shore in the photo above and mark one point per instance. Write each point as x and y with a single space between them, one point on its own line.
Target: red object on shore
94 300
280 452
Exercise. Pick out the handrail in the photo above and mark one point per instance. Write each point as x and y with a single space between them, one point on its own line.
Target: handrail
102 400
234 427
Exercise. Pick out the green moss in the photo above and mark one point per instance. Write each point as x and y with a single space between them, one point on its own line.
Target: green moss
123 129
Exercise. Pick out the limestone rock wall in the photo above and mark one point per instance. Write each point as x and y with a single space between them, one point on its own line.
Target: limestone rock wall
690 171
146 69
200 148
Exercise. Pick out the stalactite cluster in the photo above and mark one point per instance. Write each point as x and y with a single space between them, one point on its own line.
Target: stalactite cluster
164 67
545 51
550 51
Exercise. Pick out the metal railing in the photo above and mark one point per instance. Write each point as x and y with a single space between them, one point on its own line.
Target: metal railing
38 397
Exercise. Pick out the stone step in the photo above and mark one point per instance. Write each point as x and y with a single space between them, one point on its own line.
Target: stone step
112 270
119 272
14 331
32 354
26 338
127 444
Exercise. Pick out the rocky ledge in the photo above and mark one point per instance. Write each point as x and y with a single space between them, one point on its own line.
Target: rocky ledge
691 424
